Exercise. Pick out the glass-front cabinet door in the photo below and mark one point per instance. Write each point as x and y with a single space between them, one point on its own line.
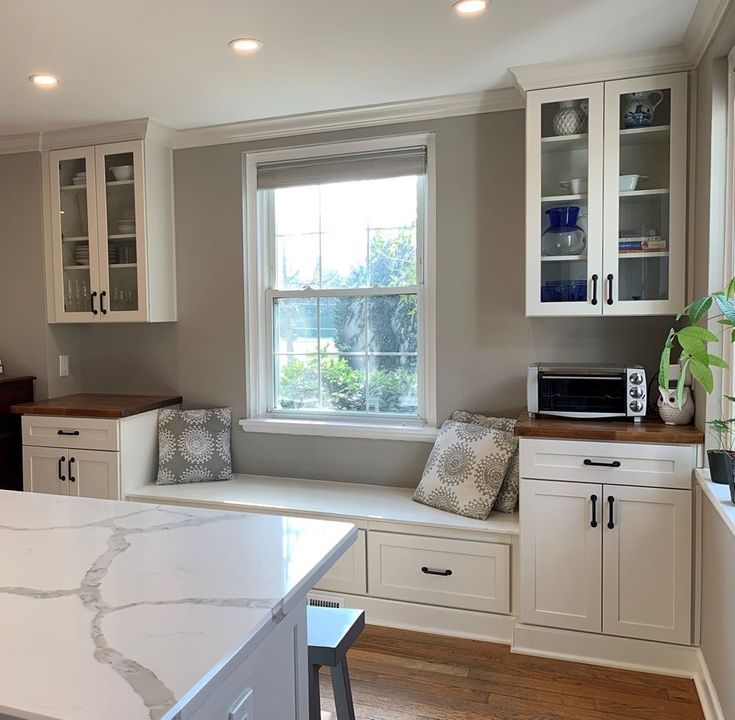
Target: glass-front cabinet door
645 195
121 227
74 235
564 176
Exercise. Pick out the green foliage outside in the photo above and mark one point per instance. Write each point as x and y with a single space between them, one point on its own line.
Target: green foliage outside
391 380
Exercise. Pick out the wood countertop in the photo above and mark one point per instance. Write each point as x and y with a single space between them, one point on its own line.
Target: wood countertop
651 430
93 405
16 378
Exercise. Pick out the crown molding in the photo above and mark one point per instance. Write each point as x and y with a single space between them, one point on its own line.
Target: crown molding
99 134
350 118
702 28
25 142
612 67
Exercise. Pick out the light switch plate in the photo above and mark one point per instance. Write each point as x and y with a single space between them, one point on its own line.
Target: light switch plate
63 366
243 708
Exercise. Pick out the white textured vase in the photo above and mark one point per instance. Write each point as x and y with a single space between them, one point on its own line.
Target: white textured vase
670 413
570 119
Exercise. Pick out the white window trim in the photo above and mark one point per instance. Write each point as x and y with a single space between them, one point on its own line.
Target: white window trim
728 351
257 280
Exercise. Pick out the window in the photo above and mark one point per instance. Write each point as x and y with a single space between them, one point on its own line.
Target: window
340 257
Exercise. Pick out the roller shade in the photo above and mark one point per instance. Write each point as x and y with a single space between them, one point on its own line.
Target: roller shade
343 168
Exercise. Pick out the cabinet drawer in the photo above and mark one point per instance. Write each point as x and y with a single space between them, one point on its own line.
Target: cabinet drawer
668 466
349 573
74 433
437 571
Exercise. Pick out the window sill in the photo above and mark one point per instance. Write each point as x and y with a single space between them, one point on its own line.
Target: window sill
330 428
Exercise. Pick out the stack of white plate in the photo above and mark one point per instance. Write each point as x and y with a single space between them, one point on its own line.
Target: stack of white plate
81 255
126 227
114 255
80 178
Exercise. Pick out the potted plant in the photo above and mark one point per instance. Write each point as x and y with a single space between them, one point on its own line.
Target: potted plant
692 342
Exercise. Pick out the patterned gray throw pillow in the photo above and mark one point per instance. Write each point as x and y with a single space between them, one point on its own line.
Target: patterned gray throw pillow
507 500
466 469
194 445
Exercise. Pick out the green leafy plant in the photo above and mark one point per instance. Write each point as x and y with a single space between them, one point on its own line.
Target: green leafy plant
692 342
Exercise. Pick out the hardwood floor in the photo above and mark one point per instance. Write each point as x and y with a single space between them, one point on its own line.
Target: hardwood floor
401 675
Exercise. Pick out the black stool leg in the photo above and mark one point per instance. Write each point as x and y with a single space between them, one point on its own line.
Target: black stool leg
315 706
342 691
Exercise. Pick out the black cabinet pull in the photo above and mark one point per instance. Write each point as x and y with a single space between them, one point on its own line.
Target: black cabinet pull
594 511
609 289
594 289
71 473
611 503
67 432
91 302
430 571
593 463
62 460
103 295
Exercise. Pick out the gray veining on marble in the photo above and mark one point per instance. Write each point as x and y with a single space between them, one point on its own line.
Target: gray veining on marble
180 538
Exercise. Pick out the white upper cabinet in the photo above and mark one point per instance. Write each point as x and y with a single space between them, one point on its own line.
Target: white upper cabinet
606 198
111 234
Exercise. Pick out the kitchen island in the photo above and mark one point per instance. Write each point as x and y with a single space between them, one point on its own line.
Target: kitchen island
128 611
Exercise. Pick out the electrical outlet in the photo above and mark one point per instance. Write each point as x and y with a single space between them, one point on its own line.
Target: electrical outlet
63 366
243 708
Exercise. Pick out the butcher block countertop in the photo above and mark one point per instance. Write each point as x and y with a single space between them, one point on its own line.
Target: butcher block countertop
92 405
651 430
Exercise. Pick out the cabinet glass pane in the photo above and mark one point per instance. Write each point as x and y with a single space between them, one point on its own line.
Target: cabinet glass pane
563 213
74 234
645 150
122 256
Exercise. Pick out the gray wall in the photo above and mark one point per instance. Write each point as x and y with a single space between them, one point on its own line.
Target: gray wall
28 346
484 340
718 601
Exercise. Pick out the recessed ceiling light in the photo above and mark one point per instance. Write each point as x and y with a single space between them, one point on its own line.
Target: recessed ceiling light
245 45
470 7
44 80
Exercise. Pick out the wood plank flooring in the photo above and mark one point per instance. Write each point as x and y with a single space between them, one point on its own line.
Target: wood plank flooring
401 675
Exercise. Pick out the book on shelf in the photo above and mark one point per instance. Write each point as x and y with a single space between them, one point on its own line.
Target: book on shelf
642 244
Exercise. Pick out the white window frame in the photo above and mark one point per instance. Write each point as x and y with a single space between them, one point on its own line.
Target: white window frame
260 418
728 350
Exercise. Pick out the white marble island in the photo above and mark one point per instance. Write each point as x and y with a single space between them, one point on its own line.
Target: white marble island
128 611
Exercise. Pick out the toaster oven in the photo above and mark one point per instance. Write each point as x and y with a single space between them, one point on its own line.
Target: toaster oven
575 390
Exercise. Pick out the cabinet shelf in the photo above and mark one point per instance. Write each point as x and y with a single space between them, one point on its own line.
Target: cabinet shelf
563 143
563 198
118 183
115 266
76 267
638 255
73 187
645 135
78 238
125 236
563 258
643 195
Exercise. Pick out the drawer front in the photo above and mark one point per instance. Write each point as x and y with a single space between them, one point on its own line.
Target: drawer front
74 433
669 466
349 573
437 571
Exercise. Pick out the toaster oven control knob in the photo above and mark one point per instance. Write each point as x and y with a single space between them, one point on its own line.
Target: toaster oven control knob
636 378
636 392
636 406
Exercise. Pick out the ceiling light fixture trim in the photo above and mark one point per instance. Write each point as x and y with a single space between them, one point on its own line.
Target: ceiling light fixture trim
470 7
245 45
44 80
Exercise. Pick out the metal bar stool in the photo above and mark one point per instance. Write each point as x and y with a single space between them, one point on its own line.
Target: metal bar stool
331 633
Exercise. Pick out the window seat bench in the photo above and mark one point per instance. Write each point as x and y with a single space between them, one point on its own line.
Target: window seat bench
413 566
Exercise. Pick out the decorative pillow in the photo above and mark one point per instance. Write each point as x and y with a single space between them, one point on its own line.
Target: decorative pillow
507 499
194 445
466 469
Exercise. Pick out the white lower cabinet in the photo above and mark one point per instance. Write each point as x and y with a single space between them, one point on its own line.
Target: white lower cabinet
607 558
348 574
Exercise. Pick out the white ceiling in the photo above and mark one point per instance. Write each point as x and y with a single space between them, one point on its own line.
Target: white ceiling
169 60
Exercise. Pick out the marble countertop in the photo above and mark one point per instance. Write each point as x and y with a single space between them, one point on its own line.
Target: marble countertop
124 611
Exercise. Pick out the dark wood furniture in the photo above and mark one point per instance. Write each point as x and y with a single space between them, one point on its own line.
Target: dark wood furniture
331 633
12 390
651 430
95 405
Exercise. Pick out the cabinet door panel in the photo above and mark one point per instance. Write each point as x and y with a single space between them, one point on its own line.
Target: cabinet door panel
45 471
647 564
94 474
561 555
645 195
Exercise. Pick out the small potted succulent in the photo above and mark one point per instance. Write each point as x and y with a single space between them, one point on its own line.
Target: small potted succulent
692 342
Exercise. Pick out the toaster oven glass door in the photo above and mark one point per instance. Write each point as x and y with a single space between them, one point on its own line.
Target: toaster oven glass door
604 394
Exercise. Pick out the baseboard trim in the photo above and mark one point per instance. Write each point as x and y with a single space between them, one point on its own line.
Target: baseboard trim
592 649
433 619
706 690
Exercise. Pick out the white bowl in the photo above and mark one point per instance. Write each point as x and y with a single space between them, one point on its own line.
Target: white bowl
577 186
628 183
122 172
